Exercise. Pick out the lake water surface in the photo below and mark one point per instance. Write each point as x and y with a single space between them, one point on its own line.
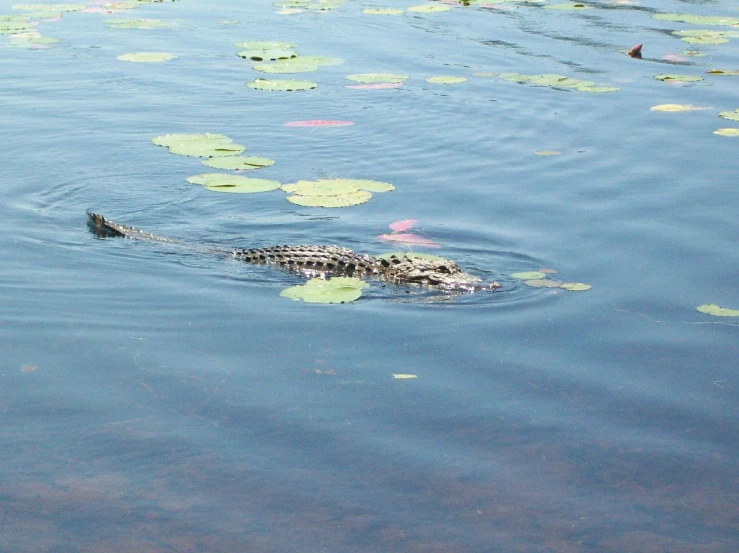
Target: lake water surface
164 400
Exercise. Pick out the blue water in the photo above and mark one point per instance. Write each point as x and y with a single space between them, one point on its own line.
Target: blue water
162 400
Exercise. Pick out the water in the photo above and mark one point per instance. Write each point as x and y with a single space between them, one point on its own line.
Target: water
163 400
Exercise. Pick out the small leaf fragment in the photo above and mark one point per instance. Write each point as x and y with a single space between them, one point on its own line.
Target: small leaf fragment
333 290
716 311
575 286
528 275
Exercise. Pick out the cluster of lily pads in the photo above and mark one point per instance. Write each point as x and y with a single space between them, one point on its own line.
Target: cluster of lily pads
288 7
281 58
222 153
552 81
541 279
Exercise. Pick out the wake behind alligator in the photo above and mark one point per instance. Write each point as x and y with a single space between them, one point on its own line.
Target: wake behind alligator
325 261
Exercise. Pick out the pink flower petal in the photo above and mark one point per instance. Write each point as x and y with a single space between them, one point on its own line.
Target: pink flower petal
375 85
405 224
408 238
319 123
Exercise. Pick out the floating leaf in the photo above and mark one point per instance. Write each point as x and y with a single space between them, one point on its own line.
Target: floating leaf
705 40
295 65
239 163
429 8
333 290
319 123
333 187
528 275
137 23
547 153
404 376
226 182
341 200
716 311
682 78
382 11
405 224
575 286
725 72
730 115
446 80
172 139
50 7
267 55
484 74
377 78
321 60
541 283
727 132
206 149
375 85
676 107
284 85
146 57
697 19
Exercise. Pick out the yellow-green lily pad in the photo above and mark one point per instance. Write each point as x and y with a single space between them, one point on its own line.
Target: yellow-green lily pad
146 57
137 23
295 65
541 283
239 163
716 311
341 200
50 7
529 275
283 85
267 55
206 149
682 78
368 78
429 8
730 115
328 187
333 290
226 182
172 139
575 286
727 132
697 19
446 80
724 72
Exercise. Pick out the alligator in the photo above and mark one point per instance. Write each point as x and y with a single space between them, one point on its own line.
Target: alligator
325 261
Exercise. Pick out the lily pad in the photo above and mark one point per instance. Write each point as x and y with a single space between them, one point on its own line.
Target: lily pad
429 8
239 163
284 85
333 290
730 115
146 57
206 149
50 7
225 182
575 286
446 80
724 72
137 23
295 65
716 311
547 153
172 139
377 78
529 275
731 131
682 78
676 108
697 19
342 200
267 55
541 283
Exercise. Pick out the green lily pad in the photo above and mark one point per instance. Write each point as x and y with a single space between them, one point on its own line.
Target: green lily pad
267 55
239 163
446 80
574 6
265 45
340 200
697 19
14 27
429 8
284 85
146 57
321 60
317 188
683 78
172 139
382 11
575 286
724 72
295 65
705 40
333 290
730 115
529 275
226 182
541 283
731 131
716 311
206 149
376 78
